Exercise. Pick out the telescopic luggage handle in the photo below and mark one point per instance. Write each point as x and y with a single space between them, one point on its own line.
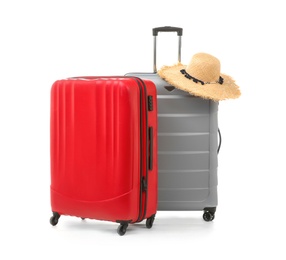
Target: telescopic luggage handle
166 29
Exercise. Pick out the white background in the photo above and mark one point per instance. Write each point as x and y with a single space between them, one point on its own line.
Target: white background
42 41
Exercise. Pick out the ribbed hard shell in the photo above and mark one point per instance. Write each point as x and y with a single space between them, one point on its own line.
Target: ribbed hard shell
187 148
96 135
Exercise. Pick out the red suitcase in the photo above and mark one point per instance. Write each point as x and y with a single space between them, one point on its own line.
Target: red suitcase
104 150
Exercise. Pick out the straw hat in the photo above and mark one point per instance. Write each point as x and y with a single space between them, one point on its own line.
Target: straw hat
201 78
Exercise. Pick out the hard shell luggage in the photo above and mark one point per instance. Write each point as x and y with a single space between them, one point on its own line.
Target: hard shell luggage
104 149
187 144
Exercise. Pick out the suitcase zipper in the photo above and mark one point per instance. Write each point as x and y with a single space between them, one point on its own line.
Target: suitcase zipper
144 130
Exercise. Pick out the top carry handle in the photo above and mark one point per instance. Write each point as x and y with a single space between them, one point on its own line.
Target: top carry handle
166 29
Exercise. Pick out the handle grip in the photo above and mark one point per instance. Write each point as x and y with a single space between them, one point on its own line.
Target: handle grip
168 29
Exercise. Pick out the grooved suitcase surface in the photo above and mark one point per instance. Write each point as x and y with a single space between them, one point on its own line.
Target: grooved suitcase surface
96 148
87 139
187 148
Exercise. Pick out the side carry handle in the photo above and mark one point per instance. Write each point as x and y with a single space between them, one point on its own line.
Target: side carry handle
150 166
166 29
220 139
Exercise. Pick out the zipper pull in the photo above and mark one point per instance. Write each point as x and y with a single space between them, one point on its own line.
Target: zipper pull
144 184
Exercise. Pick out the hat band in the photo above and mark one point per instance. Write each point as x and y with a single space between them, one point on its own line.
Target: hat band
188 76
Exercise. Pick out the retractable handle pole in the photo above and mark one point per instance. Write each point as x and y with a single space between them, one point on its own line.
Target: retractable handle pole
166 29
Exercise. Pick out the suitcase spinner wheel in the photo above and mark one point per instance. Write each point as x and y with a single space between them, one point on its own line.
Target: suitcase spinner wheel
55 218
150 221
121 230
209 214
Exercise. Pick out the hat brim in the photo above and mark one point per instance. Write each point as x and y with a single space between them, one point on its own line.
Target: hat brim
216 92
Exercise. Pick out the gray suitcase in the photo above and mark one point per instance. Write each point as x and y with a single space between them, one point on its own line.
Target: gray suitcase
187 145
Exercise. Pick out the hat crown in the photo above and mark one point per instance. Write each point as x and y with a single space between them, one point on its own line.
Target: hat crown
204 67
